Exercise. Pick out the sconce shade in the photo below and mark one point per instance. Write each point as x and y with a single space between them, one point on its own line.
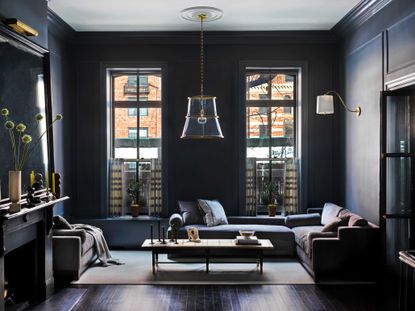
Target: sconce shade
202 120
325 104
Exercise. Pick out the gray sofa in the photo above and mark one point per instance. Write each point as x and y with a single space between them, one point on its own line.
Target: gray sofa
350 252
73 252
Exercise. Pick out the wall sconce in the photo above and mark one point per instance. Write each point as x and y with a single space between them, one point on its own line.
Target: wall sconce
325 104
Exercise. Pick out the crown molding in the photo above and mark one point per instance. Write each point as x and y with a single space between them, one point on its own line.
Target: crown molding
58 26
361 13
211 37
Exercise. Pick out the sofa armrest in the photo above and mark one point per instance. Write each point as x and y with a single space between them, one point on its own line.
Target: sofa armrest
313 210
176 220
303 220
67 255
70 232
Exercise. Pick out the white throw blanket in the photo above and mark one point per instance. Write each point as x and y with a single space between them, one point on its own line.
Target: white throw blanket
101 246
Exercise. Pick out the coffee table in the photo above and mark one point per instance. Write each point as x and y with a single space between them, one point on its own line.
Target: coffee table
211 249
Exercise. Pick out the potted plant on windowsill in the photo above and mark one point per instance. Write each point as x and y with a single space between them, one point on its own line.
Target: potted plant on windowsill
137 199
270 196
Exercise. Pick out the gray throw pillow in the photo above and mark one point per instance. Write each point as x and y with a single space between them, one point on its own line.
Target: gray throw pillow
330 212
190 213
60 223
214 212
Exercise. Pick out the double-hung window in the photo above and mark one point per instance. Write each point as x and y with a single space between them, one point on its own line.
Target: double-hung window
271 105
136 101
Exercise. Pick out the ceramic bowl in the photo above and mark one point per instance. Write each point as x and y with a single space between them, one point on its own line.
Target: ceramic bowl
246 233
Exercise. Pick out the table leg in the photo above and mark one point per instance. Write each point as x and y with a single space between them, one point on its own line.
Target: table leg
157 260
207 261
153 262
261 264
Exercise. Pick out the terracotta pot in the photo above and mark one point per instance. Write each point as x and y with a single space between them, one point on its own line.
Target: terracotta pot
272 210
135 210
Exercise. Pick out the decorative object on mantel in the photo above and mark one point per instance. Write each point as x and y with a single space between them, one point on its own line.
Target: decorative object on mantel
38 183
56 185
20 27
21 148
31 199
202 121
270 196
325 104
137 199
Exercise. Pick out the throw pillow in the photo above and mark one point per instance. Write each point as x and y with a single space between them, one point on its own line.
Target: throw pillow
190 213
330 212
357 221
214 212
60 223
335 224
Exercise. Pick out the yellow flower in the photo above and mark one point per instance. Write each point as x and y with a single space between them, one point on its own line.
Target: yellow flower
5 112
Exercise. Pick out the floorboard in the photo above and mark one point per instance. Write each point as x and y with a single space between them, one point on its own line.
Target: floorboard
232 298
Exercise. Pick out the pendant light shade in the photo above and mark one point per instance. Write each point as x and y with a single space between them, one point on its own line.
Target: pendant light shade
202 120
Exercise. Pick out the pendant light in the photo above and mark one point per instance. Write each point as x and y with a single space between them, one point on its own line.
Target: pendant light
202 121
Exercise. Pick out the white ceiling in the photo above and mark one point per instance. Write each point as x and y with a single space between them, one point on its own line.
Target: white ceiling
164 15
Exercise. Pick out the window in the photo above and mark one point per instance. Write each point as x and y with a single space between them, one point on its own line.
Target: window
132 133
136 98
132 112
270 132
143 132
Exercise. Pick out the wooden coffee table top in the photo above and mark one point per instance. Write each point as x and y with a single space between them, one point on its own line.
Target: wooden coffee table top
206 243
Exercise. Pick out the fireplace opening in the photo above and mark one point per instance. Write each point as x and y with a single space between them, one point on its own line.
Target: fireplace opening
20 277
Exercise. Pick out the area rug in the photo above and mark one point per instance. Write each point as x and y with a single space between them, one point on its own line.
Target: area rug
137 271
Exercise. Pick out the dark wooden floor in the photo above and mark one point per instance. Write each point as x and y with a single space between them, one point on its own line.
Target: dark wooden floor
239 297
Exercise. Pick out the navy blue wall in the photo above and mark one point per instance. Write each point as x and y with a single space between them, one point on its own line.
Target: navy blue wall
196 169
380 50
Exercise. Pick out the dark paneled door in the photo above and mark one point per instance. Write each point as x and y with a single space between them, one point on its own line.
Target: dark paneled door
397 175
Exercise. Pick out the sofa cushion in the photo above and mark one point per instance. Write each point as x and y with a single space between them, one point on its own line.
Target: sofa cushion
303 220
354 219
214 212
305 234
336 223
357 221
330 212
190 212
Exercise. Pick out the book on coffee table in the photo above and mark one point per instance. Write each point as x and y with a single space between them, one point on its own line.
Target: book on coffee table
241 240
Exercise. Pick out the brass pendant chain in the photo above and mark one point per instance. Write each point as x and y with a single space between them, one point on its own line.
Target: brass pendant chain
202 17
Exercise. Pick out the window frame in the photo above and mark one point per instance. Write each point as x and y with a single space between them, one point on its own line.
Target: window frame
137 104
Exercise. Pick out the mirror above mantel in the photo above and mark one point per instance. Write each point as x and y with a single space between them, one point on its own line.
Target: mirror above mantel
24 91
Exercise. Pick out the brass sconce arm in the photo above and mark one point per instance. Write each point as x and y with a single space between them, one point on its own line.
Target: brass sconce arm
357 110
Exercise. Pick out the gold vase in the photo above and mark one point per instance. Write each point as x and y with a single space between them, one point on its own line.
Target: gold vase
15 190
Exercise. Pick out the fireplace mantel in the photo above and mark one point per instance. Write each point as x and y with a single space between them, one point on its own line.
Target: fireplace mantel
18 229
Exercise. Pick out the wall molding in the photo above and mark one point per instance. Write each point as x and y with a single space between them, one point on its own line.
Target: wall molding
58 26
361 13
